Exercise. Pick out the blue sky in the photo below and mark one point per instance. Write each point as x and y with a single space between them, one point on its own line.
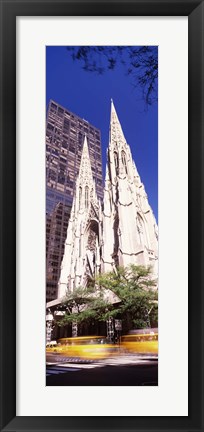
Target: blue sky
89 96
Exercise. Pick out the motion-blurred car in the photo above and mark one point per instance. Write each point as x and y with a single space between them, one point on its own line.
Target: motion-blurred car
140 343
50 346
87 347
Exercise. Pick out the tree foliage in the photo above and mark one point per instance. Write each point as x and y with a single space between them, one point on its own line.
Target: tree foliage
135 288
135 299
140 64
83 305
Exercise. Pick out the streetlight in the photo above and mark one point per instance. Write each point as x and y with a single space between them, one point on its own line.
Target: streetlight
110 329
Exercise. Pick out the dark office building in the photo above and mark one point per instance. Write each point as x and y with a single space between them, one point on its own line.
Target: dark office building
65 133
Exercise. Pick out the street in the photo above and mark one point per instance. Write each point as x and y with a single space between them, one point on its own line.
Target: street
121 371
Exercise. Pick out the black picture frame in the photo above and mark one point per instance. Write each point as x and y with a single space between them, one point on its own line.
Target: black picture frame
194 9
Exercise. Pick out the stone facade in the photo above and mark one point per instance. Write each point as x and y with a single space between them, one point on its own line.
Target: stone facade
122 231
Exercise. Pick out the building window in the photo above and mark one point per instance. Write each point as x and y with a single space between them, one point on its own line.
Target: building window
116 162
123 157
72 149
50 127
86 197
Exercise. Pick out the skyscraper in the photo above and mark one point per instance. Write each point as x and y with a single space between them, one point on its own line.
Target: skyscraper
65 133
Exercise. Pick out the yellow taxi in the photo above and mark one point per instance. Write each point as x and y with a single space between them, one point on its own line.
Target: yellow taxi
140 343
86 347
51 346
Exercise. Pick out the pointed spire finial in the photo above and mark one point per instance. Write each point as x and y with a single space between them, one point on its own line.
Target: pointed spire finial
85 171
85 153
114 117
85 146
112 106
116 133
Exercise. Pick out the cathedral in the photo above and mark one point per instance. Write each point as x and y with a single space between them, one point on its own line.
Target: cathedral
119 231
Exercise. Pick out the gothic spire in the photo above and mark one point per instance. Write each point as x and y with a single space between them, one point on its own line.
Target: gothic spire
116 137
119 154
85 171
85 184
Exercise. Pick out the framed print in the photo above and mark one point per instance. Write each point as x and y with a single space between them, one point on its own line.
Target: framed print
33 35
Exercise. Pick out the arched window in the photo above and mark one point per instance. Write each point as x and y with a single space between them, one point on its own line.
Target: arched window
80 195
86 196
123 157
116 162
